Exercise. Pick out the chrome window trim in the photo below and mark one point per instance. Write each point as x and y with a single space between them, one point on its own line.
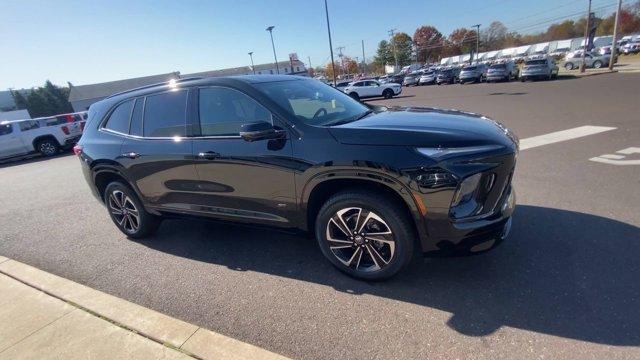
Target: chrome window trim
181 138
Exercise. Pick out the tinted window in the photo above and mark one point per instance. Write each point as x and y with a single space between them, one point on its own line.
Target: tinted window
165 114
6 129
536 62
470 68
136 118
498 66
28 125
119 119
223 111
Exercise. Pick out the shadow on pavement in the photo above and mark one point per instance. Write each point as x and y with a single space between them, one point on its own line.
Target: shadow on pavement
381 98
560 272
33 158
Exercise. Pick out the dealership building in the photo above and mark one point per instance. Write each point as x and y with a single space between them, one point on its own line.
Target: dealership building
82 96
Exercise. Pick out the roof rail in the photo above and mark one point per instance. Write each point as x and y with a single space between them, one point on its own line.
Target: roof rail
175 81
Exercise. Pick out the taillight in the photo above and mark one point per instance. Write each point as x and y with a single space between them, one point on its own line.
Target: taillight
77 149
65 130
69 118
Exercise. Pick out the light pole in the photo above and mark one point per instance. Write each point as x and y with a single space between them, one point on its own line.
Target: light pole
252 67
614 42
586 38
270 30
477 26
333 66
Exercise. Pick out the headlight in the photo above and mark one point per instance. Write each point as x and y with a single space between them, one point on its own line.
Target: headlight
441 152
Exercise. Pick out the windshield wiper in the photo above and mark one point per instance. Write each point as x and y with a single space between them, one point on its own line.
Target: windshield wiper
346 121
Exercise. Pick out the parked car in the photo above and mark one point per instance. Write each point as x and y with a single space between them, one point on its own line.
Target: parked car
539 69
429 77
631 48
46 136
372 88
342 85
290 152
397 79
591 60
409 80
505 71
447 76
472 73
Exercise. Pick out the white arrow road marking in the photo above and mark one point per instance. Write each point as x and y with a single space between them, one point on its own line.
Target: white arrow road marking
613 159
563 135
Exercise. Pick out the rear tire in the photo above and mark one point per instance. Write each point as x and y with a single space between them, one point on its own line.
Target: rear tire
127 213
568 66
597 64
354 95
362 256
387 93
48 147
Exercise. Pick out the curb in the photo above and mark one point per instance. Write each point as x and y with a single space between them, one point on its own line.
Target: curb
168 331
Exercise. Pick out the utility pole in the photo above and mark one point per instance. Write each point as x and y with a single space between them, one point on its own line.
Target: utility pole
270 30
309 58
333 66
477 26
364 62
586 38
393 44
252 67
614 42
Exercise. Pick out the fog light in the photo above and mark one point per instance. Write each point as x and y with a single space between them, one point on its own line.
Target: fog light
466 190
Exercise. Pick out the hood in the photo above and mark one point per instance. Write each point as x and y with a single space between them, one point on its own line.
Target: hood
425 127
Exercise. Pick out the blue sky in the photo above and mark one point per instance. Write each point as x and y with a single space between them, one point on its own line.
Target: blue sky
94 41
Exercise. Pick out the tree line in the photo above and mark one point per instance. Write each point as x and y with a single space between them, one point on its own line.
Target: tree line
430 45
46 100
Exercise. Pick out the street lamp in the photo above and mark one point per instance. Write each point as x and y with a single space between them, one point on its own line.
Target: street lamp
477 26
270 30
252 67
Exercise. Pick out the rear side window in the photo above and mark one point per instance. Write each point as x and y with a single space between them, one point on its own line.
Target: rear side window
28 125
119 118
223 111
136 118
165 114
5 129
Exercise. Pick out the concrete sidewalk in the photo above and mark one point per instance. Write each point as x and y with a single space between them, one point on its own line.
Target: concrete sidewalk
43 316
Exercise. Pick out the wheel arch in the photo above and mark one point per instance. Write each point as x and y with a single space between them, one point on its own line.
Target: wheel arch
40 138
320 188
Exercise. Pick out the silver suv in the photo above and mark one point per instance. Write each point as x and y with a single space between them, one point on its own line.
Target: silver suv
591 60
473 73
502 72
545 68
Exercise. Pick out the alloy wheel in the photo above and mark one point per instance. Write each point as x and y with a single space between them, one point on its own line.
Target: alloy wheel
124 211
47 148
360 239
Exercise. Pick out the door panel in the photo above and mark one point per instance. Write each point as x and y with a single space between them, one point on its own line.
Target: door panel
246 180
10 142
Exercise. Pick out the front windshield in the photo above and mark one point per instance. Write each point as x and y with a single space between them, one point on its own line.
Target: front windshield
535 62
498 66
313 102
469 68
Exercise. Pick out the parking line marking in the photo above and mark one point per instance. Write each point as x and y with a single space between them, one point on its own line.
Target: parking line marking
563 135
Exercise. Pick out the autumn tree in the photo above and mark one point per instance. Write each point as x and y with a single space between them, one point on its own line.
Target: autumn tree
493 37
460 41
428 42
403 44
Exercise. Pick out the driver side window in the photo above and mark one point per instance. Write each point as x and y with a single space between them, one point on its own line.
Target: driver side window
223 111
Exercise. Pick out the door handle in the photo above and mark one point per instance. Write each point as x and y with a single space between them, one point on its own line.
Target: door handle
209 155
131 155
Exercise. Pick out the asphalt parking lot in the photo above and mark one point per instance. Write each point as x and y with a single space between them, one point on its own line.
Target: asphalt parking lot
565 284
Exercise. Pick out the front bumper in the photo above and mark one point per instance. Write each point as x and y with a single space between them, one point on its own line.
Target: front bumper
470 237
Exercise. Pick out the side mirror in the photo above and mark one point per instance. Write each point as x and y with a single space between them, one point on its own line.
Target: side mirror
260 131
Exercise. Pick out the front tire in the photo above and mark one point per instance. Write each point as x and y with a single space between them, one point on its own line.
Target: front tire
568 66
597 64
365 235
127 213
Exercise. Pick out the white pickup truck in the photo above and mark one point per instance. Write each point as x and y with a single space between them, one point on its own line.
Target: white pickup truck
44 135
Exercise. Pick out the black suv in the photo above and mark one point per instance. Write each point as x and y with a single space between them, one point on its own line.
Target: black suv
373 184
